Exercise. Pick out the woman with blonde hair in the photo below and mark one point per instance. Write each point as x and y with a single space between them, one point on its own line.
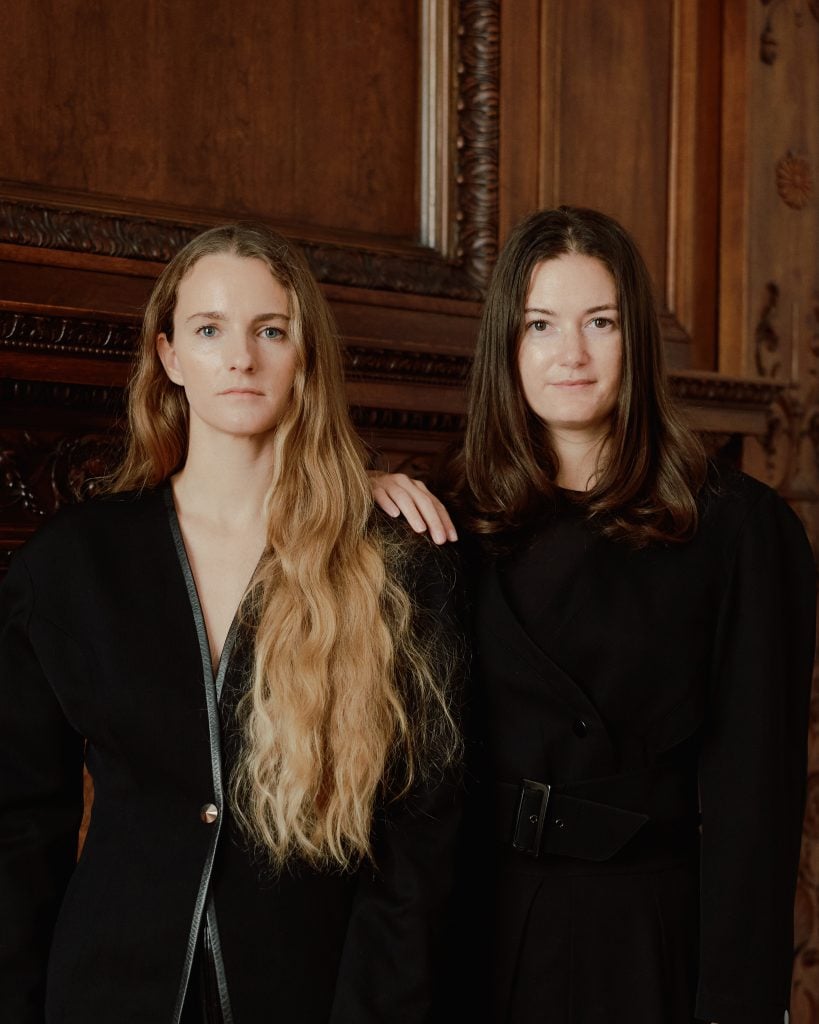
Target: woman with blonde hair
229 641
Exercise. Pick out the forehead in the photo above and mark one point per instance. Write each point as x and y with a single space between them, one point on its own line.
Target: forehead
224 280
572 276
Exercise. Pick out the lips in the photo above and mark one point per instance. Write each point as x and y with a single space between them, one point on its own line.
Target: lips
571 383
241 391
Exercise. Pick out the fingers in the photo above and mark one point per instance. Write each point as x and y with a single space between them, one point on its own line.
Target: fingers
397 494
445 520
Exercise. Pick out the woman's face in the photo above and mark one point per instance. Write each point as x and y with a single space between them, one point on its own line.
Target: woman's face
231 348
570 351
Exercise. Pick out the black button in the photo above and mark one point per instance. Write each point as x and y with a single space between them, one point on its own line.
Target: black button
559 823
580 728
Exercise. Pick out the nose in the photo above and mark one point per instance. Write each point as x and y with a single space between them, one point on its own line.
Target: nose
240 353
574 351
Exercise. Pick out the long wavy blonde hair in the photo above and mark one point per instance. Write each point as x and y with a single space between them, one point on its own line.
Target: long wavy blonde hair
349 701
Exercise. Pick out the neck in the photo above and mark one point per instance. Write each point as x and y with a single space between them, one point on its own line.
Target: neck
225 481
578 457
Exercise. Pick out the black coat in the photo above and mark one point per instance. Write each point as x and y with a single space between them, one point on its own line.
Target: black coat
102 657
644 686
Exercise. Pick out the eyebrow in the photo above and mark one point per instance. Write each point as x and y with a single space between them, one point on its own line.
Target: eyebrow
591 309
216 315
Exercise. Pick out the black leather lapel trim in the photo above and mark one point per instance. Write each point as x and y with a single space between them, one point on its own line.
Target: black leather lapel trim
224 657
218 962
214 730
505 625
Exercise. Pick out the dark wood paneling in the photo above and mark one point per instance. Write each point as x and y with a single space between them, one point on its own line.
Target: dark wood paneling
613 114
625 118
393 184
305 113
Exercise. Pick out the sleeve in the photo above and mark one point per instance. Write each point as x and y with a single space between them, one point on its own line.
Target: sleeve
753 768
40 806
393 954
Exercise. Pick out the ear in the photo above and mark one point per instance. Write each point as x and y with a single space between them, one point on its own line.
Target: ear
167 355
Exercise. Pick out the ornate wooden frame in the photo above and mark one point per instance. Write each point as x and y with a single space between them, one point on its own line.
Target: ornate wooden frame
458 239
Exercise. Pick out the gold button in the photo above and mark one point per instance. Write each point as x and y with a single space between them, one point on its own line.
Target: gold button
209 813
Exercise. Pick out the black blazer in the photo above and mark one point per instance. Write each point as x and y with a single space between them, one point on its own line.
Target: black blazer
647 685
101 658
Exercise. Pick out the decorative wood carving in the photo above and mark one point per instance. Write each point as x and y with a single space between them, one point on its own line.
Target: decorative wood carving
768 44
40 475
418 270
55 394
427 368
766 340
794 181
722 391
67 335
477 142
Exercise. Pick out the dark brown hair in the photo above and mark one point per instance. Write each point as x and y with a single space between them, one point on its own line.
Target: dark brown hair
646 485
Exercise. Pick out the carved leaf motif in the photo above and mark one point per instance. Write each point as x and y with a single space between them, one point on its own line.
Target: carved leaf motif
794 181
766 339
768 45
79 465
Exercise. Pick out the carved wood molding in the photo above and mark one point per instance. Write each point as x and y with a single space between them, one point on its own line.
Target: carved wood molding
717 390
401 367
57 394
103 339
92 397
366 418
478 104
421 270
64 335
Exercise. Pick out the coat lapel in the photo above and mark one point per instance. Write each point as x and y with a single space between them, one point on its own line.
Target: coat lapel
506 627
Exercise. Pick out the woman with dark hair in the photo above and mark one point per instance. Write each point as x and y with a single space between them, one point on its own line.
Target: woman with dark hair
256 670
643 643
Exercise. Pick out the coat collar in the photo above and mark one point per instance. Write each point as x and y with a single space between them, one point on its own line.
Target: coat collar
495 615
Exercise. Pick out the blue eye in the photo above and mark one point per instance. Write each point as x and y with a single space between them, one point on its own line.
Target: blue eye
272 333
207 330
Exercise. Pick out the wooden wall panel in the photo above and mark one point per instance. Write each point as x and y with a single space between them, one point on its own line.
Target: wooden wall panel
305 113
625 119
769 312
612 108
391 140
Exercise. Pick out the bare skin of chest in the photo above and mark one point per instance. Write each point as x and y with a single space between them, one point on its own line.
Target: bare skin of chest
223 563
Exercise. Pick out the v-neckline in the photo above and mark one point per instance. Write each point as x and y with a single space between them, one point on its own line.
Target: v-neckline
214 678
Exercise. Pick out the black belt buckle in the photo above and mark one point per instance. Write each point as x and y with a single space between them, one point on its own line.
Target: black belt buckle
531 817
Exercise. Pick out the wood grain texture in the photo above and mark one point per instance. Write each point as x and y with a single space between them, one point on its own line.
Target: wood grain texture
613 107
306 112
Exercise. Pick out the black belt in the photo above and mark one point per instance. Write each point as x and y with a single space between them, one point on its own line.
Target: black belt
591 820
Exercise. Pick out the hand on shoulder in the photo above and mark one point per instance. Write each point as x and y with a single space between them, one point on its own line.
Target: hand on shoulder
398 494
